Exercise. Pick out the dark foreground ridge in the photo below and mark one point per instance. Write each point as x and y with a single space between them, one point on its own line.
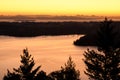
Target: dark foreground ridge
31 29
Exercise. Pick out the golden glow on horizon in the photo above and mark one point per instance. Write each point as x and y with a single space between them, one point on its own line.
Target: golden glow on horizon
60 7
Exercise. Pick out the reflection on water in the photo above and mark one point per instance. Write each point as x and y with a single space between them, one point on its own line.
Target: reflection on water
49 51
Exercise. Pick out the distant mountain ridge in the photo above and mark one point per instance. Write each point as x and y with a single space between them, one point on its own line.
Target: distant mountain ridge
77 17
31 29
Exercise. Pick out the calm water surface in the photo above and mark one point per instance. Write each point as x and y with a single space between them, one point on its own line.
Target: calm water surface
51 52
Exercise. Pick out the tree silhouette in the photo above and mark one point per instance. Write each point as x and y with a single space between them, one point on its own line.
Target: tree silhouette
66 73
11 76
106 36
25 71
104 64
42 76
56 75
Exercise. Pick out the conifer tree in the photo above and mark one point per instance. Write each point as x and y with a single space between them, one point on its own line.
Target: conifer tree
42 76
68 72
11 76
25 71
104 64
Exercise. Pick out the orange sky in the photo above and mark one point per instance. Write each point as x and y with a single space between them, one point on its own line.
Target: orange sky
60 7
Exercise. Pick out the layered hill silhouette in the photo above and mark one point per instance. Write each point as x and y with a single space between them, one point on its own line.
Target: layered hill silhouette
31 29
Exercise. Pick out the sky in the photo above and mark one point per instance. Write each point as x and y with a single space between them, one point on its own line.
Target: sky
60 7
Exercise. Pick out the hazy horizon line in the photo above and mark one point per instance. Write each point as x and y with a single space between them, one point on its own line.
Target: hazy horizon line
57 15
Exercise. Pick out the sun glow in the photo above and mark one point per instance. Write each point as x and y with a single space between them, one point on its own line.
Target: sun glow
60 7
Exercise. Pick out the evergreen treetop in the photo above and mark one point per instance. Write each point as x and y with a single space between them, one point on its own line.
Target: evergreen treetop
104 64
25 71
